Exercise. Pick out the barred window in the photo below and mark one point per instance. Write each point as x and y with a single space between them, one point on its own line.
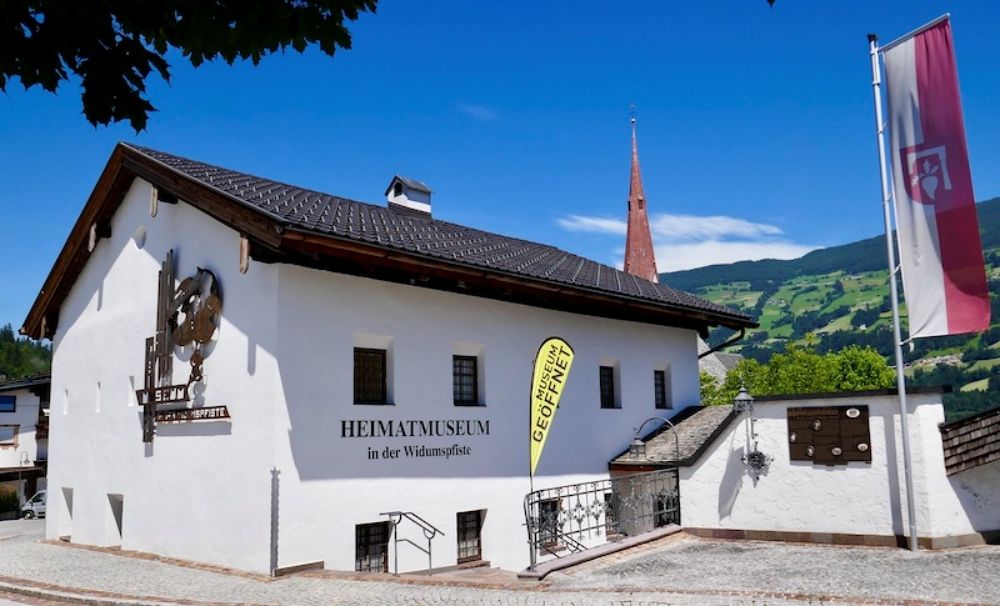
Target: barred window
608 387
369 376
470 536
660 389
610 520
464 371
548 522
371 547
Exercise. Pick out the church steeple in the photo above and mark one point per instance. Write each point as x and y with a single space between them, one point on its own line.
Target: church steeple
639 257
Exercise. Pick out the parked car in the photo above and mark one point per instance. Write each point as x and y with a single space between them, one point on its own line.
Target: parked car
35 506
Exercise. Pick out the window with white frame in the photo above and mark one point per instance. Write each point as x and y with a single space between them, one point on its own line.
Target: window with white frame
8 436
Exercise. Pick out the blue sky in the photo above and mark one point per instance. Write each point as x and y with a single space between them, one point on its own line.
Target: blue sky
755 124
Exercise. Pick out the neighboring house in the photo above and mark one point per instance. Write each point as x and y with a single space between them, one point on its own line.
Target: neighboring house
24 425
718 363
252 374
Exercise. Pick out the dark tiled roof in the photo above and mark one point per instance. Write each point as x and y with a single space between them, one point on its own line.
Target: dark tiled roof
25 382
696 427
971 442
381 226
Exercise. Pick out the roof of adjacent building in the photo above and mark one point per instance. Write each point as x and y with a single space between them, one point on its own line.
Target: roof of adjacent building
25 382
695 428
972 441
298 225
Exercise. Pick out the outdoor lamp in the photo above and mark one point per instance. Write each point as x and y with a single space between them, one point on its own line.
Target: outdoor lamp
743 402
637 448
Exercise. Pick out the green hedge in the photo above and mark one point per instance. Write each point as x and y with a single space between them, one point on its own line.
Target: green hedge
9 501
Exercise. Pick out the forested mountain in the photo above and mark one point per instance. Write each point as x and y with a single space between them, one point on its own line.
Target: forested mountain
21 357
839 296
856 257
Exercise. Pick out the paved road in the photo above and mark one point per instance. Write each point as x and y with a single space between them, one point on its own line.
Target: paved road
9 528
681 571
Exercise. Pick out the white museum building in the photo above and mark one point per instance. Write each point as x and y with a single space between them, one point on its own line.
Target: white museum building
256 375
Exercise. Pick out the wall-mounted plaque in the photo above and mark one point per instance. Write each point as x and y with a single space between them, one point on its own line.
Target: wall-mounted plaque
829 435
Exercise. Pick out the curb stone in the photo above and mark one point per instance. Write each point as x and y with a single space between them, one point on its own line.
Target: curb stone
61 595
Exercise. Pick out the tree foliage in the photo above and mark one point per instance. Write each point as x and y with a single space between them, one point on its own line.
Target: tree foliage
803 371
21 357
114 46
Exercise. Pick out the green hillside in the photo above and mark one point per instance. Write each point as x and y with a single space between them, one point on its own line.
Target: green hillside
839 296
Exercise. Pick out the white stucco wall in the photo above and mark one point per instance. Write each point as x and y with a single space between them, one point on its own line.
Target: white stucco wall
200 491
283 364
859 498
328 482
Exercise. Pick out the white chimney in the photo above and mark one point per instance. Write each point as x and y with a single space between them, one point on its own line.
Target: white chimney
408 194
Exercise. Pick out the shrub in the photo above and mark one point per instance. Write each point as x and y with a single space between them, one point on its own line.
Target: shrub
9 501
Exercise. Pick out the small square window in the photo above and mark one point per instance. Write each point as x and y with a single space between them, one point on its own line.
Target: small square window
369 376
608 387
465 373
8 403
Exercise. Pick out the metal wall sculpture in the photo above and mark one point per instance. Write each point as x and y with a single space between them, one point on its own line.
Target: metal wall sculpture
185 317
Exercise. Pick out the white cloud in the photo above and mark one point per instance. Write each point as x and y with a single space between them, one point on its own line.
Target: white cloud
478 112
601 225
675 257
689 241
690 227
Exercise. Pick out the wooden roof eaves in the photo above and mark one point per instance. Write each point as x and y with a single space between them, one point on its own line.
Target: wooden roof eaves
668 314
124 165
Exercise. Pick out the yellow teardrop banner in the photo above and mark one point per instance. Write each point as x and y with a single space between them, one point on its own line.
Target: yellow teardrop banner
552 364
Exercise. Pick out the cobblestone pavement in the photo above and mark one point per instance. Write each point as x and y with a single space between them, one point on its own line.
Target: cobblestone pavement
679 572
690 564
12 599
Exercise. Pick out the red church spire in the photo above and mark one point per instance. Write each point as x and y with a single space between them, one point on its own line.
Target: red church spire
639 257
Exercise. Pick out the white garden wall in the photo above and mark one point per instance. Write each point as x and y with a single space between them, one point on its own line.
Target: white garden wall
717 492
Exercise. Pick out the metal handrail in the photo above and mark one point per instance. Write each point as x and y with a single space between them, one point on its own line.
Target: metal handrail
584 511
430 531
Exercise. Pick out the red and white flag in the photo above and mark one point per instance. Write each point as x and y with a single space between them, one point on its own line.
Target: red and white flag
939 247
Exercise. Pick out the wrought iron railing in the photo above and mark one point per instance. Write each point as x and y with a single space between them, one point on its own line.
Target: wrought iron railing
566 518
430 531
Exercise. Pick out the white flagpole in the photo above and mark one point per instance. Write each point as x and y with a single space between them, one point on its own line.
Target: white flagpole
893 293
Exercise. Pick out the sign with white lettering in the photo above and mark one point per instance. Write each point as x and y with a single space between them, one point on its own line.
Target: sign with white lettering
184 415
